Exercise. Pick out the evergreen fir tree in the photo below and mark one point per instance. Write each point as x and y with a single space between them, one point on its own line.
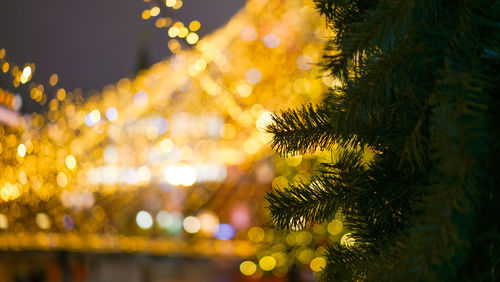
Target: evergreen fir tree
419 89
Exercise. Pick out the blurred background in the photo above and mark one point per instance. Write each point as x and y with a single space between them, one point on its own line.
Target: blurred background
132 141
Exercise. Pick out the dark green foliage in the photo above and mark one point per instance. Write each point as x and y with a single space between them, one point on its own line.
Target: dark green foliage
419 84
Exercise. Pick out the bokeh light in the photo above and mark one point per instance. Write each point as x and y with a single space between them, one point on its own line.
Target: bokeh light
272 40
141 98
21 150
317 264
194 25
209 223
225 231
253 75
191 224
248 33
248 268
335 227
42 221
4 222
111 113
144 220
70 162
267 263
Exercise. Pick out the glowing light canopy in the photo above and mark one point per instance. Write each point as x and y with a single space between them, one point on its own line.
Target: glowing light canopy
177 156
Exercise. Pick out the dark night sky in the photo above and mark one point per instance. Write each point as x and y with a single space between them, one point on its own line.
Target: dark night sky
91 43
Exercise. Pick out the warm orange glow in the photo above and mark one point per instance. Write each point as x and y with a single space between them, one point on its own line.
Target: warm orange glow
180 148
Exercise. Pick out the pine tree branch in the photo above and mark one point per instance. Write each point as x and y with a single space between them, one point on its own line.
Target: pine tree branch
301 131
376 30
346 263
449 207
418 86
336 188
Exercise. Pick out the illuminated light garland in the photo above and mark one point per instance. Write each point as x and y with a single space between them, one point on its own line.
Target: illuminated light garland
175 157
175 28
20 77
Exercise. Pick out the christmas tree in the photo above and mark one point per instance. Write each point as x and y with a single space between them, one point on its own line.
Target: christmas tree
415 116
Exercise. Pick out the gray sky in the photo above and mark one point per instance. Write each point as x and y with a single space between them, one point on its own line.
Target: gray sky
90 43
